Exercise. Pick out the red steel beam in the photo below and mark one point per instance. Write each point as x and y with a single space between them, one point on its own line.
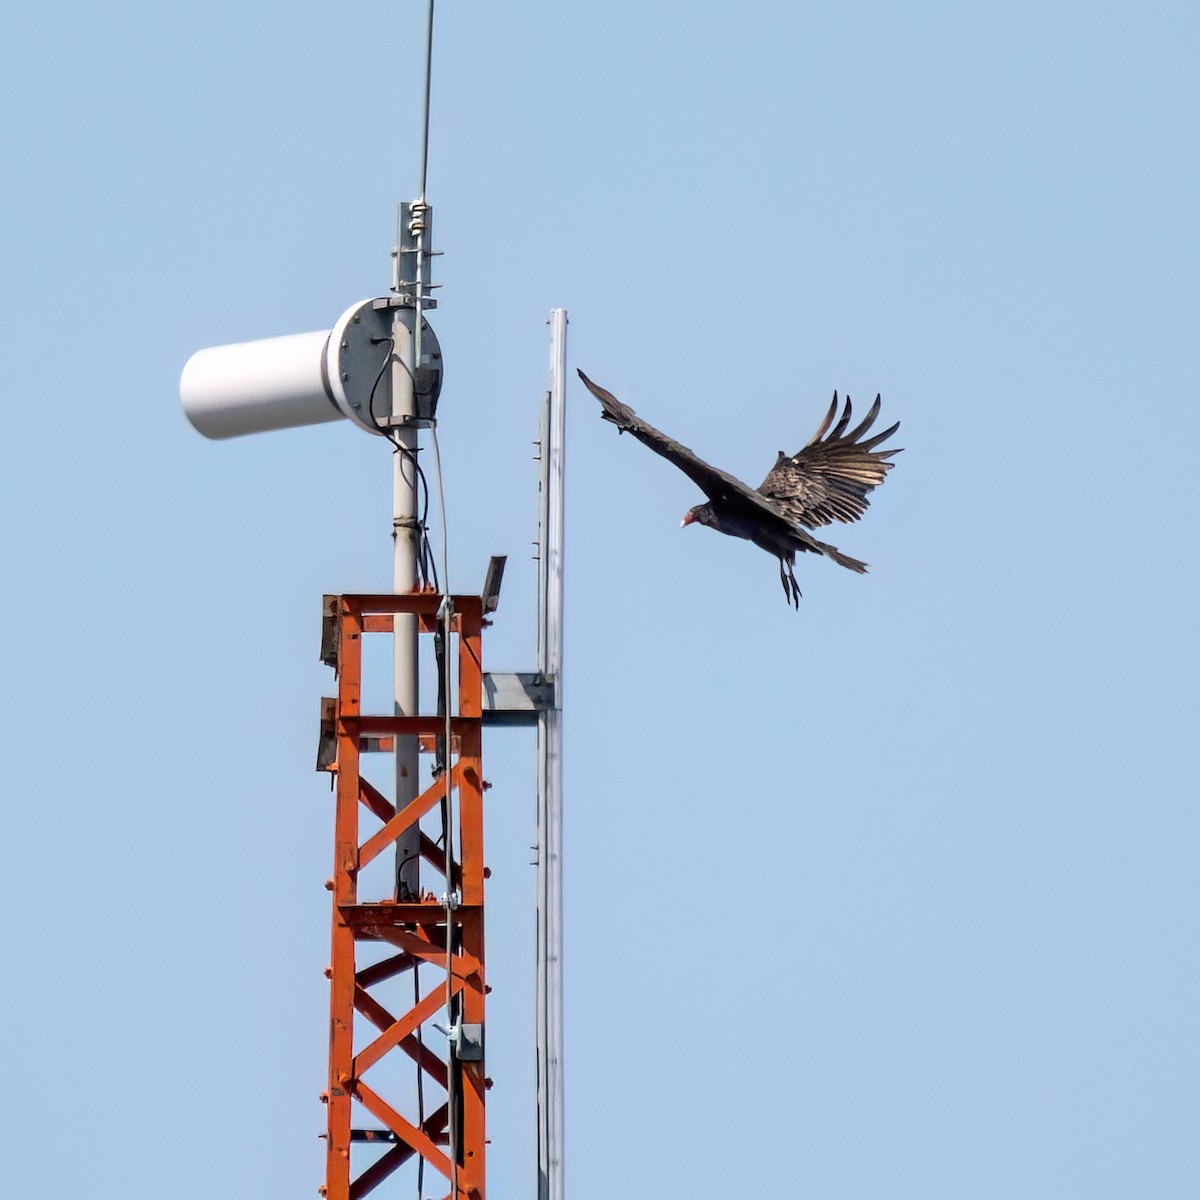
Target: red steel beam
420 931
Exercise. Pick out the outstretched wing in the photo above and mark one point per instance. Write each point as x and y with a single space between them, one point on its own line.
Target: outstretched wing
829 479
716 484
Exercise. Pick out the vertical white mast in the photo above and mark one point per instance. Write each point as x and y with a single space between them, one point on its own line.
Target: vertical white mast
549 753
412 250
405 536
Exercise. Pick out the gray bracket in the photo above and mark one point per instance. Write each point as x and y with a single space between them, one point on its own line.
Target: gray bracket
470 1042
516 698
466 1040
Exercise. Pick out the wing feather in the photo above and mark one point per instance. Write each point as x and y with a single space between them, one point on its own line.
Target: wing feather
830 479
866 422
716 484
816 437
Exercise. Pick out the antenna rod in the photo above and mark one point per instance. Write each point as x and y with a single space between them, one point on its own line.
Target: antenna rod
419 230
428 79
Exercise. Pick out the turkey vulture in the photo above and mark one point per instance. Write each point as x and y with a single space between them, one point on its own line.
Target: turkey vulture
826 481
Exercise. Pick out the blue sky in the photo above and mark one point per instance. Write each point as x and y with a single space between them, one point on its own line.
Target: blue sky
891 897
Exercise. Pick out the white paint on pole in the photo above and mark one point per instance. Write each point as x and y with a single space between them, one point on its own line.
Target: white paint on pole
549 837
404 578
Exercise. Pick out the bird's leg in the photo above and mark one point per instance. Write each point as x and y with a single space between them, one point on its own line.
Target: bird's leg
795 590
787 591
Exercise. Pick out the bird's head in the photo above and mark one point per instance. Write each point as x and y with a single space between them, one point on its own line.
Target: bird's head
702 513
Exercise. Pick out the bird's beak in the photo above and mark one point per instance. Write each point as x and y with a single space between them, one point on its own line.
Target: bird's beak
687 520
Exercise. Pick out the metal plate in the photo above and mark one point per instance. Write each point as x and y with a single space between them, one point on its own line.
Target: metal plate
356 364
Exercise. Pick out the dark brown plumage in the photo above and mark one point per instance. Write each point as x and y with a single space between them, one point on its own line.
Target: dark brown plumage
828 480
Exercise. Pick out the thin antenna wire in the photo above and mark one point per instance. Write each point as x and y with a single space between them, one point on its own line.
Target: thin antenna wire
420 226
428 79
419 209
445 614
420 1079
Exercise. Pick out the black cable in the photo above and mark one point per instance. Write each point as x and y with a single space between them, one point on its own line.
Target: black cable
454 1097
420 1080
440 748
426 562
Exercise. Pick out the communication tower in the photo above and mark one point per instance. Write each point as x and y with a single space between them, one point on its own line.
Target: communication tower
407 1083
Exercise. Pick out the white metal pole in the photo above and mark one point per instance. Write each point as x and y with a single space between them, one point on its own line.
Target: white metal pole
405 535
549 884
406 345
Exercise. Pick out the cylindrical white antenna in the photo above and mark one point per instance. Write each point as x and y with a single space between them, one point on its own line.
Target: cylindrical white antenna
253 387
304 378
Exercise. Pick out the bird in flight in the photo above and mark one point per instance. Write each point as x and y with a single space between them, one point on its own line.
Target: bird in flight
826 481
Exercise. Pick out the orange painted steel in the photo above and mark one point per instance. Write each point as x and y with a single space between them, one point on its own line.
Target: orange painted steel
391 1047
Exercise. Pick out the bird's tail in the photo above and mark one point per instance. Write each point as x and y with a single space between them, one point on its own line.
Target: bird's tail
842 560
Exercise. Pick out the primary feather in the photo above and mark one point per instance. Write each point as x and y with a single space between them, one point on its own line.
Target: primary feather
830 479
